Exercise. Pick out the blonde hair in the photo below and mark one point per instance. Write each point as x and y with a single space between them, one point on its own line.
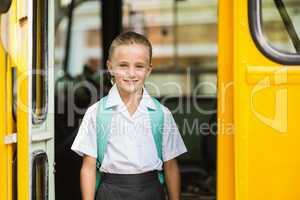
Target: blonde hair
127 38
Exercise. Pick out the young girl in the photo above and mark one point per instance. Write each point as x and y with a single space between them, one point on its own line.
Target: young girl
132 157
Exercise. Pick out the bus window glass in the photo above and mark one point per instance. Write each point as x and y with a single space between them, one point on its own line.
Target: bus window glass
281 24
39 60
40 176
85 42
60 44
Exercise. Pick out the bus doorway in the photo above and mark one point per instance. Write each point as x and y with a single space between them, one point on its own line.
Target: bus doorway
184 39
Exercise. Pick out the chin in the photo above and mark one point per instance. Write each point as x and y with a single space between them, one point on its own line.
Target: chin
129 89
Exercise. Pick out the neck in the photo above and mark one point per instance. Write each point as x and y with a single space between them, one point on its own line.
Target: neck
130 99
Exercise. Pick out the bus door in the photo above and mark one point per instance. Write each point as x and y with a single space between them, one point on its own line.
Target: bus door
27 35
41 91
265 67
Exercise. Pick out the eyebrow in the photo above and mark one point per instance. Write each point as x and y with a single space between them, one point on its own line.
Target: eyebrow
123 61
138 63
141 63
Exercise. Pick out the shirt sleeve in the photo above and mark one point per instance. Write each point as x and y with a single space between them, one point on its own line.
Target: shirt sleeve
85 141
173 144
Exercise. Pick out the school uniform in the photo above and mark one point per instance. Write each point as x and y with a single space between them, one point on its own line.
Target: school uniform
131 156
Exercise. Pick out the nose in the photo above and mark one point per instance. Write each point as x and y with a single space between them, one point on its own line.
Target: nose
131 72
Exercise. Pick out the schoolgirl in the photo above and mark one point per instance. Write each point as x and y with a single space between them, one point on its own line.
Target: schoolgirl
128 140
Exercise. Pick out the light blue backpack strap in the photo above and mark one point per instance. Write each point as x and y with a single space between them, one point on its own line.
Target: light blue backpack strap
157 125
103 122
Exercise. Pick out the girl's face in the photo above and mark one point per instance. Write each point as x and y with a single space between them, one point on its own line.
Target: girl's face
130 65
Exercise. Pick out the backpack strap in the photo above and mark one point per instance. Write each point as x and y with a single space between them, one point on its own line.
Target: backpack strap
103 122
157 125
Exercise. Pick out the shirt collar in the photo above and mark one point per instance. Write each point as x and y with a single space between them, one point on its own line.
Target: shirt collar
114 99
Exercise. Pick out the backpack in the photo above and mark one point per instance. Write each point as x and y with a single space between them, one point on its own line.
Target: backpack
103 121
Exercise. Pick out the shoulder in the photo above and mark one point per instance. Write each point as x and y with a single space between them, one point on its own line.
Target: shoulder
169 120
90 116
165 109
92 109
91 112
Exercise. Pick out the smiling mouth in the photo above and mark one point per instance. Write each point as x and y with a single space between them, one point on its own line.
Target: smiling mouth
131 81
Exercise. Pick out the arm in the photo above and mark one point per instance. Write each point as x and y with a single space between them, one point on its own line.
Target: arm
88 178
172 178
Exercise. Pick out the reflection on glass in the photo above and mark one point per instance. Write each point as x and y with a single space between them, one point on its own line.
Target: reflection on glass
85 39
281 23
40 60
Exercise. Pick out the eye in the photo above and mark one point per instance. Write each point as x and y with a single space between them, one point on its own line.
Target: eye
123 65
140 66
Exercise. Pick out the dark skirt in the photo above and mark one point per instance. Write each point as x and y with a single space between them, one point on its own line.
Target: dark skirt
144 186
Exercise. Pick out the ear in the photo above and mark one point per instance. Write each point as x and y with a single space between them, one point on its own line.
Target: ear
109 67
149 69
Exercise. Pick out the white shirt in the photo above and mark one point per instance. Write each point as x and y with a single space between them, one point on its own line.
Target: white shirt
131 148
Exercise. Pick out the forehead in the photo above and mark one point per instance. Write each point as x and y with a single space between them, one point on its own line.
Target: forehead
131 51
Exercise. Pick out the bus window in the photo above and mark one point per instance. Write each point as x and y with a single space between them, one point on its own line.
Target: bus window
275 27
40 176
60 43
85 42
39 60
279 21
77 63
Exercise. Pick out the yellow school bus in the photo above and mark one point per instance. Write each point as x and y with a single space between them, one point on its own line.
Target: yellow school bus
257 95
27 128
259 160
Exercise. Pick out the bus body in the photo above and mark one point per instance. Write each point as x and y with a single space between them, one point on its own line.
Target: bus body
27 103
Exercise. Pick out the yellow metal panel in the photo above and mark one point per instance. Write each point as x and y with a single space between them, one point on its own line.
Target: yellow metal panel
22 114
240 104
11 27
7 125
266 109
3 147
17 49
225 168
255 74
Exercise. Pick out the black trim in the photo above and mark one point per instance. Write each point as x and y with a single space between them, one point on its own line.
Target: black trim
14 92
38 119
68 39
15 173
40 157
111 16
111 25
255 21
4 6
